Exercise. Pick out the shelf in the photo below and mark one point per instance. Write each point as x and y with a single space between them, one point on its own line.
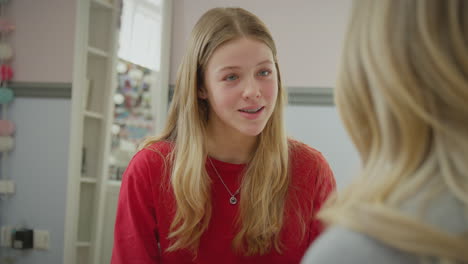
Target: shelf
97 52
102 4
95 76
94 115
88 180
86 215
83 244
97 68
114 183
91 148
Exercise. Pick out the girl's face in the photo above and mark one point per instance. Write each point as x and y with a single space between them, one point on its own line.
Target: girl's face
241 86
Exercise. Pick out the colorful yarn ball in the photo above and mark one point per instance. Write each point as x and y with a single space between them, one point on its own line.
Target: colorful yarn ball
6 95
6 72
6 26
7 128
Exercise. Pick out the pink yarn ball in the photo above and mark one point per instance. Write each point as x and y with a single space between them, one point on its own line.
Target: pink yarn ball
6 26
7 128
6 72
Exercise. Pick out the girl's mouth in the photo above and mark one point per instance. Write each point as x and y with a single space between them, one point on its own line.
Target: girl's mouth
252 111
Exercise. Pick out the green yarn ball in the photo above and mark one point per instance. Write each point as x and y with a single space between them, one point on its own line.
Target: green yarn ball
6 95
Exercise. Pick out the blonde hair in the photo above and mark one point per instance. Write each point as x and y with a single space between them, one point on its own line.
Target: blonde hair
265 183
403 96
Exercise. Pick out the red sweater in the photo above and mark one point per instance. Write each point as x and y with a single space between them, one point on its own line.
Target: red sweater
145 210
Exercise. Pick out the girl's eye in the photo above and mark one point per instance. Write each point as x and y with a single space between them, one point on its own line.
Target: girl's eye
264 73
231 77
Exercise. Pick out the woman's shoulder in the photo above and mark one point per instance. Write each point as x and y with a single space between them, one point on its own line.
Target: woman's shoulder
303 155
162 147
152 156
310 171
433 210
149 166
354 248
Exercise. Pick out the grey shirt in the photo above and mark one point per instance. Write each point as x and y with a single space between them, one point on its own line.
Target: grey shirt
340 245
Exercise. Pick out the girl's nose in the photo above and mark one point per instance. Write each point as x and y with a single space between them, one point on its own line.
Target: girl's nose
251 90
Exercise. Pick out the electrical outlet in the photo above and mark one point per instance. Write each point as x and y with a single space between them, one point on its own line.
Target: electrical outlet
6 235
41 239
7 187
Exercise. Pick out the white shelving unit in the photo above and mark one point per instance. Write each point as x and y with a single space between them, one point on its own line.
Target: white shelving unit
92 106
91 195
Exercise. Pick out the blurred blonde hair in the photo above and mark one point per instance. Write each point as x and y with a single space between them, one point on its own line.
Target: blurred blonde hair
265 183
403 97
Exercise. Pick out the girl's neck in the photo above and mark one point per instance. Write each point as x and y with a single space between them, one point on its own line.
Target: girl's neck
229 147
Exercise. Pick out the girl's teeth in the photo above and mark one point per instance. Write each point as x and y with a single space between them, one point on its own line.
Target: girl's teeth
251 110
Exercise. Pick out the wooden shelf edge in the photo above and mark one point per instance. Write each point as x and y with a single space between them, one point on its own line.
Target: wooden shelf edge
93 115
97 52
102 4
83 244
88 180
114 183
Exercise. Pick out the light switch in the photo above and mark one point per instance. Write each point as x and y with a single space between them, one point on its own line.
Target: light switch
41 239
6 233
7 187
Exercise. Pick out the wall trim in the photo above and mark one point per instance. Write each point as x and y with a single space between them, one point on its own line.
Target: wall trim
41 90
296 95
310 96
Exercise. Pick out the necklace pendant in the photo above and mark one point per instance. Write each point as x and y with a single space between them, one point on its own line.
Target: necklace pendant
233 200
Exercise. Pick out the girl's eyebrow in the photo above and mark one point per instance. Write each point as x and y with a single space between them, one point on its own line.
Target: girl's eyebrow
267 61
227 68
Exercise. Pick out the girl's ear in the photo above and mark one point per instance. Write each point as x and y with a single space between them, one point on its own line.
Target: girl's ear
202 94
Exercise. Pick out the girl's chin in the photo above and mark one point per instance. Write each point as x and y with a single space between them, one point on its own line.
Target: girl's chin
252 132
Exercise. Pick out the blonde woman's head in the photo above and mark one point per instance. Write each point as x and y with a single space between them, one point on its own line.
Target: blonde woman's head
402 94
404 71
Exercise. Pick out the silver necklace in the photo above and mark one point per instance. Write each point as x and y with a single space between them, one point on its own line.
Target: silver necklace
233 199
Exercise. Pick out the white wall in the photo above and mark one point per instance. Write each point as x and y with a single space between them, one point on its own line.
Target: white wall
39 166
43 41
308 34
321 128
43 45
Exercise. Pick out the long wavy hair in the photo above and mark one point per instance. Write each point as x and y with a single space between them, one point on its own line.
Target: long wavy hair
402 94
266 180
